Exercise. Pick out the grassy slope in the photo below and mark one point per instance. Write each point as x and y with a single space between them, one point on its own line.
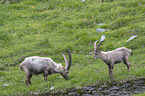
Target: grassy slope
43 28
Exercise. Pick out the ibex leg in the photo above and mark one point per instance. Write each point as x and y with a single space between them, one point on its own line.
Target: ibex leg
28 78
28 75
110 70
126 62
45 75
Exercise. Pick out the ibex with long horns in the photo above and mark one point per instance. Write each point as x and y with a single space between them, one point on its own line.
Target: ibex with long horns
37 65
112 57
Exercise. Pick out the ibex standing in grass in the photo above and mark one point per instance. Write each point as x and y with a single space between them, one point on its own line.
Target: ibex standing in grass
37 65
103 0
112 57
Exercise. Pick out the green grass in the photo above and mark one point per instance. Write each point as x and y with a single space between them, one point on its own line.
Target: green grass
141 94
29 28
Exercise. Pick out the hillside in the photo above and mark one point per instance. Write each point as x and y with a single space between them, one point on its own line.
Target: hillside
44 28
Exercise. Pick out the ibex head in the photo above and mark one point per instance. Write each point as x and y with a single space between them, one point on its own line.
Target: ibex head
64 70
96 50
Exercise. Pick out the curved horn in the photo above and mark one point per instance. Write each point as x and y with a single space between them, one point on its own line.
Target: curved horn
66 63
95 46
98 45
70 60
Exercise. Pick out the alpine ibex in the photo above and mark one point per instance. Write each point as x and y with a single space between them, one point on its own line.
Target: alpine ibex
37 65
112 57
103 0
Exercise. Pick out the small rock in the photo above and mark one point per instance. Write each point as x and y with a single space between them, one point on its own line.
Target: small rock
106 92
93 92
102 24
99 89
114 88
104 86
102 38
87 95
5 85
52 88
71 94
132 37
101 30
60 77
35 93
83 1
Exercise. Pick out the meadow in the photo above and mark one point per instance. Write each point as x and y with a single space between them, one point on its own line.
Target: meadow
46 27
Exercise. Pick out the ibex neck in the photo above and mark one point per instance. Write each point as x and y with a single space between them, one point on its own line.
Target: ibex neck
103 56
57 68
